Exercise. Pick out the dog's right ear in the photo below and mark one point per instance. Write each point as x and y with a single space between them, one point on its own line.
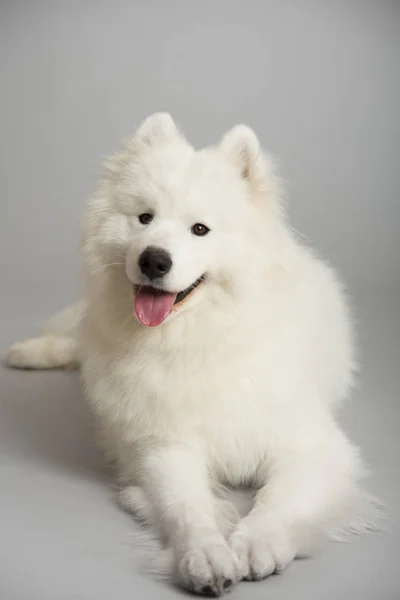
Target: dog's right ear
159 127
156 129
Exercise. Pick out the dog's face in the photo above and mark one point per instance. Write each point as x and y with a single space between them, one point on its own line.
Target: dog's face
181 219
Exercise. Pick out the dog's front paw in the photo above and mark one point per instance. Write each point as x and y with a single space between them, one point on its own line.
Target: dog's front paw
261 549
209 569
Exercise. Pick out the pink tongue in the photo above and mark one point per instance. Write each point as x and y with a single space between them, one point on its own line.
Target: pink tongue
152 308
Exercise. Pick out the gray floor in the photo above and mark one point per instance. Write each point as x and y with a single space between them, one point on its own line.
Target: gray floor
63 538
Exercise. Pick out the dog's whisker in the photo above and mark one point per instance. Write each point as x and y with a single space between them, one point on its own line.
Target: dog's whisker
103 268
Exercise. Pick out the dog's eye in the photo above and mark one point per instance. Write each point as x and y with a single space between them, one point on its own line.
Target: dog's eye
146 218
199 229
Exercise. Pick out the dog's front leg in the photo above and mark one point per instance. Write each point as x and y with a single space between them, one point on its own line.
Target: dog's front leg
176 482
307 494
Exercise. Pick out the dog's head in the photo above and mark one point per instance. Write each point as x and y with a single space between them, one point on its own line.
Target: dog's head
181 221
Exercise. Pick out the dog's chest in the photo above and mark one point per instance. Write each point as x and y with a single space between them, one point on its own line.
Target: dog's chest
217 402
214 399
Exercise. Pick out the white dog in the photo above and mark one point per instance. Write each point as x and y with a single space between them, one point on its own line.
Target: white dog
215 350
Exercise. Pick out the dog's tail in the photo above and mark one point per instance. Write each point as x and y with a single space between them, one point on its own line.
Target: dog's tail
55 348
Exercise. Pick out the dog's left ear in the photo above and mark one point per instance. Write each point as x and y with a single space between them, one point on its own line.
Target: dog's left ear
242 148
241 145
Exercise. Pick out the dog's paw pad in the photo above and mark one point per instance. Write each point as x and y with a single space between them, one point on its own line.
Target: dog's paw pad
227 584
209 571
207 590
260 552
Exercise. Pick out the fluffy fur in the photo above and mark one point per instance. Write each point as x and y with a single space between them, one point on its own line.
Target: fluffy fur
240 385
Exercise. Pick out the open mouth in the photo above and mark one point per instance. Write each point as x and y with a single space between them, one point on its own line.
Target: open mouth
153 305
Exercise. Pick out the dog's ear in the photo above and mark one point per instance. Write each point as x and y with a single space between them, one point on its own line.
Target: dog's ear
159 127
156 129
242 148
241 145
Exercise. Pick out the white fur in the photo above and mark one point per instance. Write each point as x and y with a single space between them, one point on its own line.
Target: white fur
240 385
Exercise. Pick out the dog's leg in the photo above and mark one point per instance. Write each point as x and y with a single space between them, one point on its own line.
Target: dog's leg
55 348
46 352
132 499
308 493
176 482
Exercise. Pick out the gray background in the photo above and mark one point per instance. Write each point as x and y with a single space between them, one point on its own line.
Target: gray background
320 84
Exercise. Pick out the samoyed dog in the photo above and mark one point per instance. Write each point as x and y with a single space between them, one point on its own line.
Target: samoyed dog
215 351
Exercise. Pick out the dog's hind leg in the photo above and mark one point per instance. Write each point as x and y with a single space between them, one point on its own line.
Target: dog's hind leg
46 352
56 348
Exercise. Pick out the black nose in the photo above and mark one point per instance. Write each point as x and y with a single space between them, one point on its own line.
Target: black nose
155 262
